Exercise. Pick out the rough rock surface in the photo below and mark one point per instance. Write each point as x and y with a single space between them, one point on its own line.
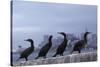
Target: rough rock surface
72 58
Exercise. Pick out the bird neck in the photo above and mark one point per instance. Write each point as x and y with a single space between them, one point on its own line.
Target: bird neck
50 41
32 44
65 39
85 38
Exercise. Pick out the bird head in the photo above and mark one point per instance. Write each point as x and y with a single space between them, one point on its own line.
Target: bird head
85 34
64 34
88 32
50 37
30 40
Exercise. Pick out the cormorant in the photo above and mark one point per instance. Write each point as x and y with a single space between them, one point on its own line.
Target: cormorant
44 50
62 46
80 44
27 51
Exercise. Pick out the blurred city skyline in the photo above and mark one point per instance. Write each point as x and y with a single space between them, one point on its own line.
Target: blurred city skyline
36 19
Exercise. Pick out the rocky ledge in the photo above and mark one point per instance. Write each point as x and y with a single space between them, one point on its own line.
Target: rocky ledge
72 58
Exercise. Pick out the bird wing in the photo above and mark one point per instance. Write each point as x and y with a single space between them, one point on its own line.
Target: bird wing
27 51
44 49
79 44
60 48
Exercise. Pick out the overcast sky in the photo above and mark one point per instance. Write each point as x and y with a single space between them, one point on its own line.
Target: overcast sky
35 19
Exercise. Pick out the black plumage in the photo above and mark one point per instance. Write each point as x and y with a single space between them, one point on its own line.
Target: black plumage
27 51
81 43
61 48
44 50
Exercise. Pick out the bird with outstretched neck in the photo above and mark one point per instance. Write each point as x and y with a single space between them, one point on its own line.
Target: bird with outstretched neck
61 48
81 43
44 50
27 51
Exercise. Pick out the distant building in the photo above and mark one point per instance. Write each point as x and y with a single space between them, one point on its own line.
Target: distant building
92 42
72 40
58 40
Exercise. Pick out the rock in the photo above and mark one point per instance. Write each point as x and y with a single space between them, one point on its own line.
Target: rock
82 57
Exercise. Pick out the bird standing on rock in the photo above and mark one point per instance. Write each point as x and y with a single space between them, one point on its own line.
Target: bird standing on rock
80 44
61 48
44 50
27 51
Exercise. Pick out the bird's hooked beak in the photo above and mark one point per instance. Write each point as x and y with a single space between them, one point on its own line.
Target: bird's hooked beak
59 32
25 40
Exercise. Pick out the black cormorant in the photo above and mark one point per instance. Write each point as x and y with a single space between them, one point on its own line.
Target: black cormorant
44 50
61 48
80 44
27 51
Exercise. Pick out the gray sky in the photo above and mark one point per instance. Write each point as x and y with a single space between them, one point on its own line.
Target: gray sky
35 19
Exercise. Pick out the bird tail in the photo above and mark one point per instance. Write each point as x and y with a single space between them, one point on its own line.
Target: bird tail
54 55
